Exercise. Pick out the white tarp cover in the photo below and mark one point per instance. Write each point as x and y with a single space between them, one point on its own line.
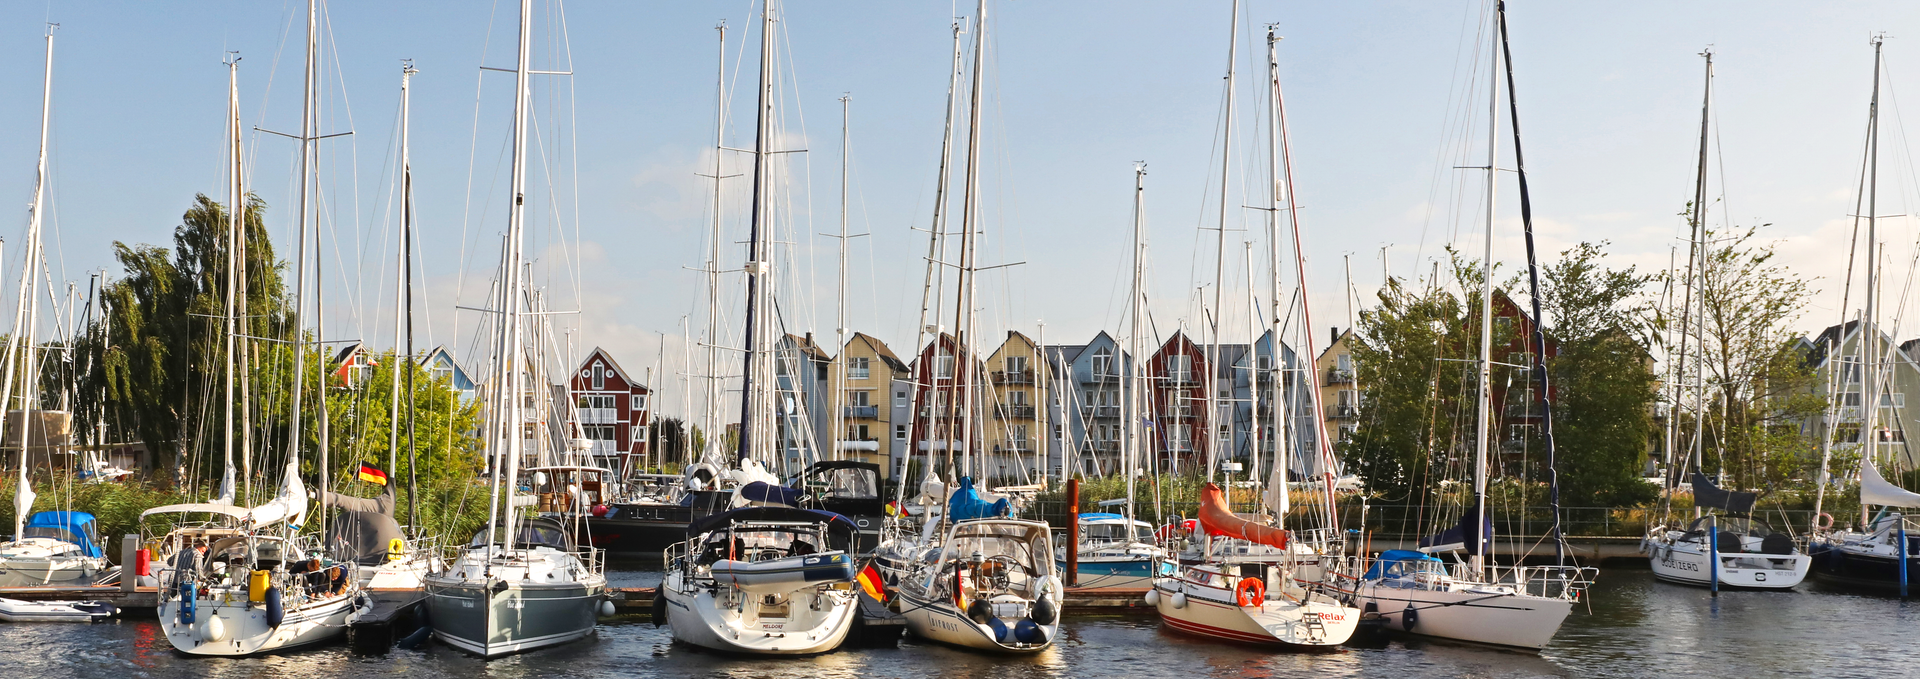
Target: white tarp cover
290 506
1875 490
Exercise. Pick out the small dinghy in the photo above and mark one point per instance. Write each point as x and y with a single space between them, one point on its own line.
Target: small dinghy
15 610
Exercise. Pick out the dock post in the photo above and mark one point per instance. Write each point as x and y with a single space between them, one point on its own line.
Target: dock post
1713 555
129 571
1073 531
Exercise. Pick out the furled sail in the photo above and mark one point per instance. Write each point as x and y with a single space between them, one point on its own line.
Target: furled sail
289 506
1217 519
1462 535
1875 490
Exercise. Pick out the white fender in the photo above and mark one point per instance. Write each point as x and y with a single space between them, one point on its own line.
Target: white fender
212 629
1179 600
606 609
1153 597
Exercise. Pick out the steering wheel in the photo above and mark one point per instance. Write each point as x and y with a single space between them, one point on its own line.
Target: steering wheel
994 571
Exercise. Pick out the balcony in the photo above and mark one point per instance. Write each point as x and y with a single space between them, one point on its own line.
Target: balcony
1106 412
1103 446
1013 377
1338 376
598 415
1014 447
1178 413
1342 411
1180 379
1177 446
1014 412
861 412
942 413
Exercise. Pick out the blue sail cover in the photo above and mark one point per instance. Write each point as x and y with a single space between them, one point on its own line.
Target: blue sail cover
966 503
761 491
1392 557
76 527
1475 542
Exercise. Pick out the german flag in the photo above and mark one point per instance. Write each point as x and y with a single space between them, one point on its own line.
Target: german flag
871 583
371 474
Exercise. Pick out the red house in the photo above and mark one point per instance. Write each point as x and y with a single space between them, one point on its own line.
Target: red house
938 420
613 411
1180 374
1516 405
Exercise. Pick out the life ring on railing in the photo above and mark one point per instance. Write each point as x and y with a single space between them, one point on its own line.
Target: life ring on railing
1250 592
1823 521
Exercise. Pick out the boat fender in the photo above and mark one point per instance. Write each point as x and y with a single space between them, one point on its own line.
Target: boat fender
1179 600
980 611
1823 521
1029 632
1001 632
1409 617
143 562
276 607
212 630
1250 592
659 607
186 603
606 608
1153 598
1043 611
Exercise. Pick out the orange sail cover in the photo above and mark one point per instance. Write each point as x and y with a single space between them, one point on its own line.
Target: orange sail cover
1217 519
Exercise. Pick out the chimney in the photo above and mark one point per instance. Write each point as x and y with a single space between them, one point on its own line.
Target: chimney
1336 336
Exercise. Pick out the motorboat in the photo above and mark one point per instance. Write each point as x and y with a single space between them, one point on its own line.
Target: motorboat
54 548
1115 552
517 589
763 581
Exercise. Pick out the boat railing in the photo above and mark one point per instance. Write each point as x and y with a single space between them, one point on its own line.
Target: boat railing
1554 582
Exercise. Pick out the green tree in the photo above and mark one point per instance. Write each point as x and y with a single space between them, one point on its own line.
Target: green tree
1602 375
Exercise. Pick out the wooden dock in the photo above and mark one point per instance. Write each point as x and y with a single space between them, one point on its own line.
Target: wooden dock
1081 600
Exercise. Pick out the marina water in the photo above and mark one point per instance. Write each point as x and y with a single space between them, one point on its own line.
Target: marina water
1637 628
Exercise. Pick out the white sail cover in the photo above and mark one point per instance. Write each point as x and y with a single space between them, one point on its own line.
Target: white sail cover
1875 490
226 488
22 503
1276 497
290 506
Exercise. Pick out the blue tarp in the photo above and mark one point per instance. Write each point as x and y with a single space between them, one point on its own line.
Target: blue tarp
966 503
1101 516
1394 556
79 526
1478 542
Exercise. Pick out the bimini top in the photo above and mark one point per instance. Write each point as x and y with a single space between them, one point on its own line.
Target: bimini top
78 528
716 521
1392 557
1705 494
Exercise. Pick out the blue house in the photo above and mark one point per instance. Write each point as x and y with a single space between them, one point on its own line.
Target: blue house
440 364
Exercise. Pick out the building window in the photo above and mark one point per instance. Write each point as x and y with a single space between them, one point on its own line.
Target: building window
1343 363
857 399
899 399
639 434
1016 364
1893 436
1017 398
638 403
599 432
1103 363
1893 400
596 401
943 366
1347 431
599 377
1850 399
899 432
1019 434
859 368
1521 359
1180 367
1056 432
1518 433
1225 432
857 432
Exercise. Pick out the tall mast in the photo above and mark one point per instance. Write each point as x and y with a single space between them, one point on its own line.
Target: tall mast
1869 334
406 277
756 267
840 324
399 288
936 239
511 370
1130 386
236 267
715 390
963 372
25 315
1696 247
1220 252
1484 397
1276 197
1253 369
242 346
1322 445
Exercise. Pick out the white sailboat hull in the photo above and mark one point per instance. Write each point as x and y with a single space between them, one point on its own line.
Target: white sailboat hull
1211 611
1498 617
243 629
39 562
944 622
1686 564
812 620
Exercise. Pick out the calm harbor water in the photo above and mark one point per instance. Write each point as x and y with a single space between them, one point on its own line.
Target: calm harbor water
1637 628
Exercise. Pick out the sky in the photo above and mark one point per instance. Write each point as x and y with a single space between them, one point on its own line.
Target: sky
1385 103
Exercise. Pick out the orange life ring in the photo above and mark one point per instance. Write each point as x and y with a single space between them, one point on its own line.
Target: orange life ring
1250 592
1823 521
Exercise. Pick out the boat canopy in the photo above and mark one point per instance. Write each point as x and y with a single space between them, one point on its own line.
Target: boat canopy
1706 495
1390 559
531 532
769 494
712 522
966 503
79 528
1875 490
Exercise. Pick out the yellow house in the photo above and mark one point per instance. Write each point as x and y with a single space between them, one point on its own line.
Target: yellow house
861 406
1339 390
1018 423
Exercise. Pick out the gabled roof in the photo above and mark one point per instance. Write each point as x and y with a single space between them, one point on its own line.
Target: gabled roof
346 352
806 346
879 347
615 365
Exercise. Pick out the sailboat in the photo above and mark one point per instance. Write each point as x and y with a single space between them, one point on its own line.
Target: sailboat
521 583
1117 550
1731 547
769 579
48 548
1476 601
1883 554
1249 580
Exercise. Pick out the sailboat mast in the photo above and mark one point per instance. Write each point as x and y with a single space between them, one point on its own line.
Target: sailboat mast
235 268
512 370
963 373
406 276
1275 196
242 347
25 314
1484 397
1322 445
399 288
714 388
1220 252
840 323
1869 334
756 267
1130 414
936 239
1253 370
